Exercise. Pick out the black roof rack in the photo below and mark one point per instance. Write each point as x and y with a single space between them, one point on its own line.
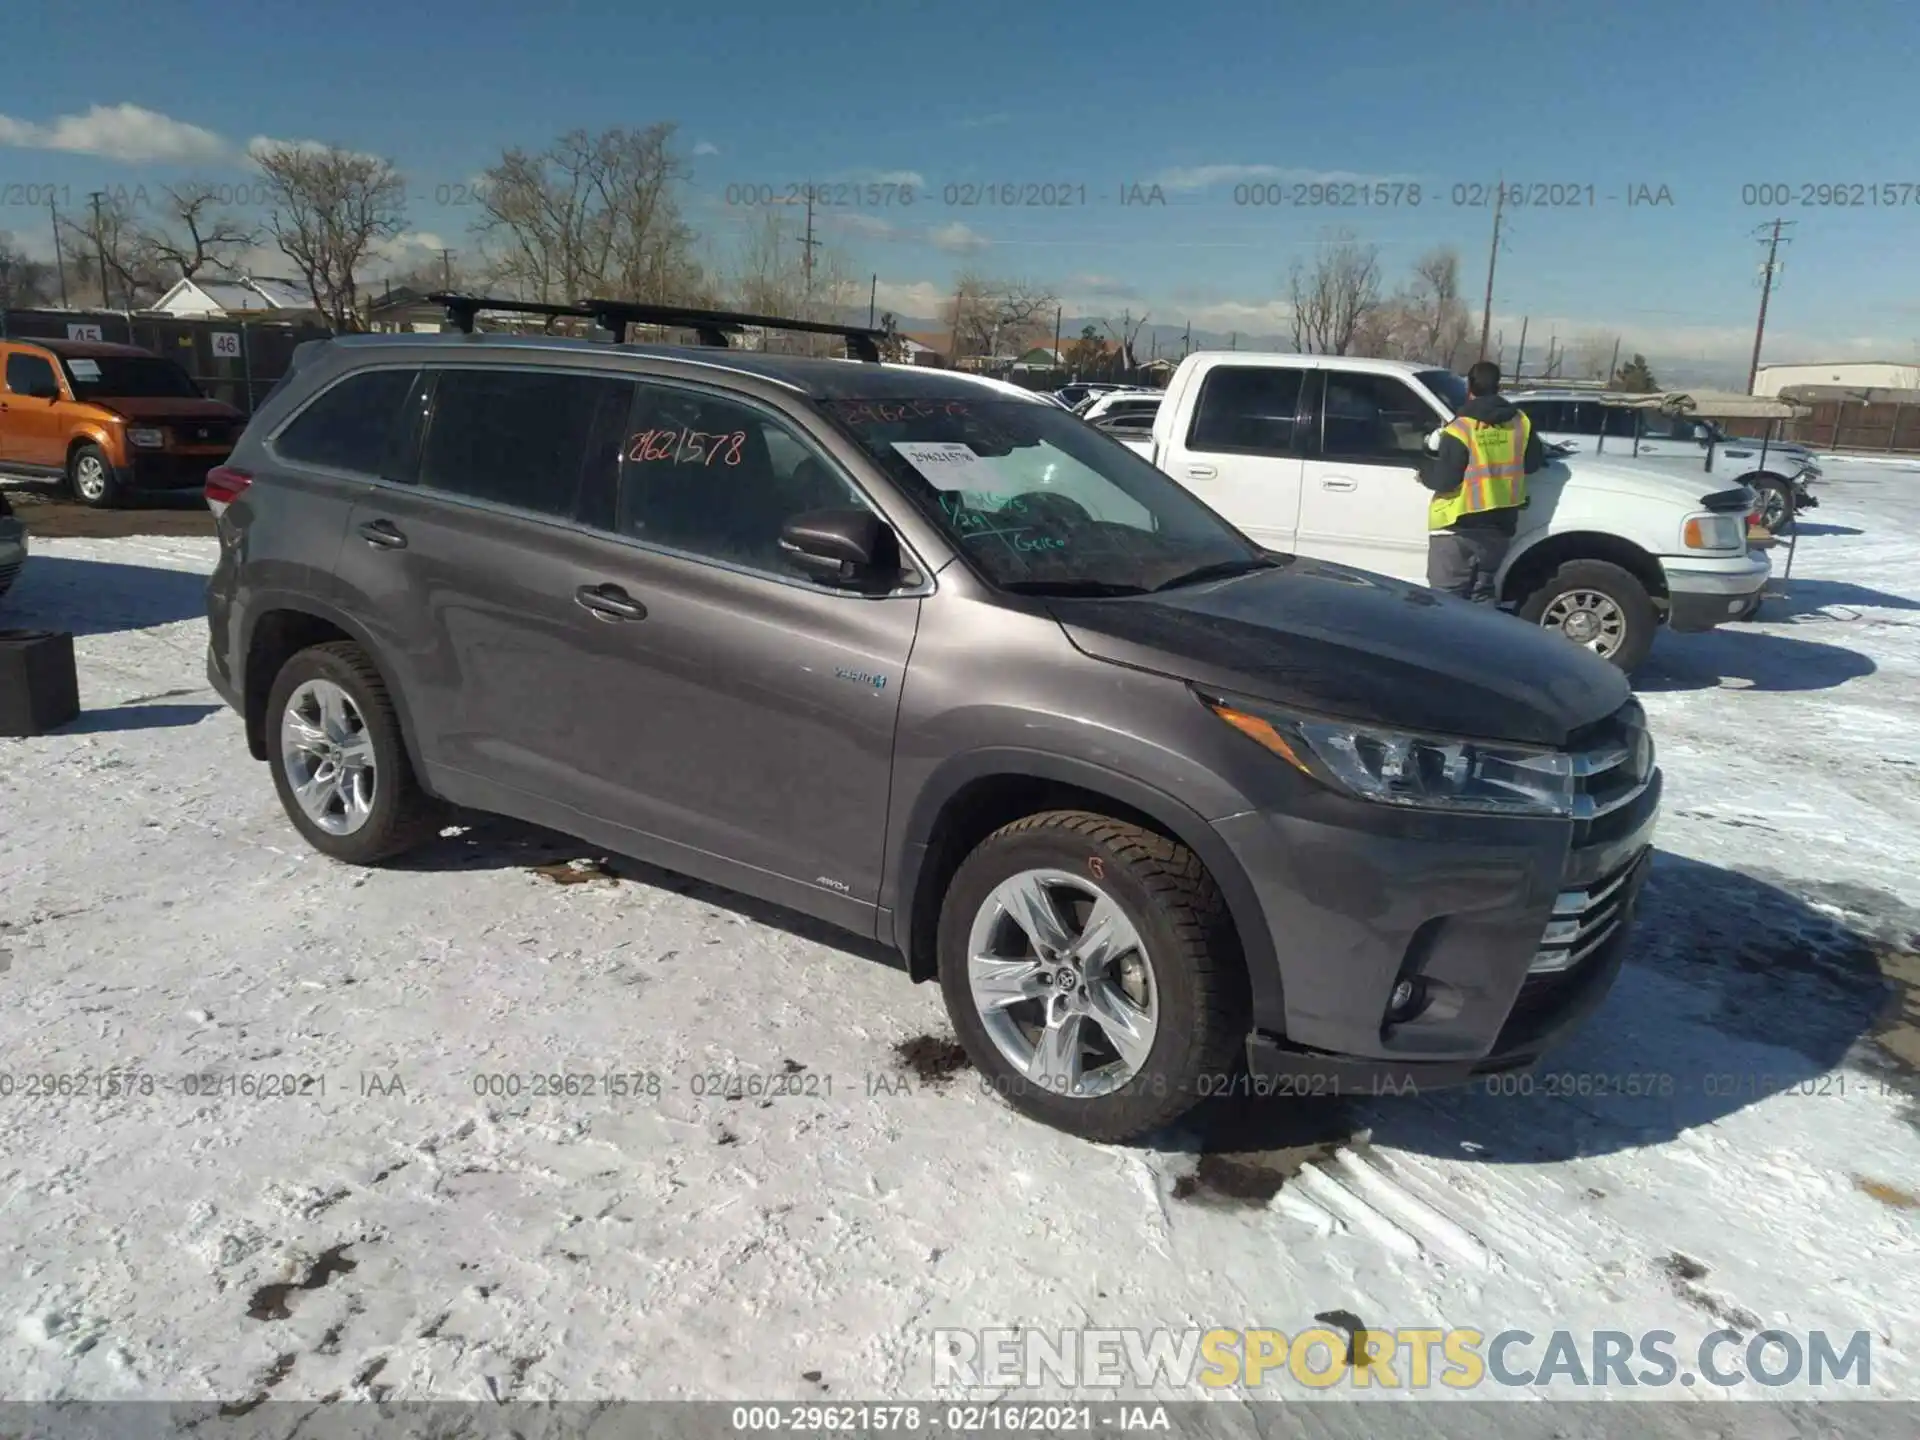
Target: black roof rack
712 326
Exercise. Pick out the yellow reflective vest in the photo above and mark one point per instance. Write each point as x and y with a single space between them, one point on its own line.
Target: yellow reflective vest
1496 476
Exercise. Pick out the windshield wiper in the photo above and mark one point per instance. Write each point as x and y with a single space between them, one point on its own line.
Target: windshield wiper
1088 588
1219 570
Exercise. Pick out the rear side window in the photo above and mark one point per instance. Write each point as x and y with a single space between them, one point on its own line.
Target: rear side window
524 438
1248 410
354 426
29 375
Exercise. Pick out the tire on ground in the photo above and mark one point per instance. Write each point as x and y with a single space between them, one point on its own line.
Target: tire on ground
101 488
1199 976
1619 586
404 816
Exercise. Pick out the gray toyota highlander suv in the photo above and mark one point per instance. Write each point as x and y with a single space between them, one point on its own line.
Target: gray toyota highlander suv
1163 813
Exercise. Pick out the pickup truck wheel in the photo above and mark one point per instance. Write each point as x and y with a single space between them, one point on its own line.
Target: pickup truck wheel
1776 505
1598 605
90 476
338 762
1092 973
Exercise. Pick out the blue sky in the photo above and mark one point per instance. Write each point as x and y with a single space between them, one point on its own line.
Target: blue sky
1701 98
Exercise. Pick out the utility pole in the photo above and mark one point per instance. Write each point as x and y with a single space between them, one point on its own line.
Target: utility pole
1059 314
446 268
1771 234
807 247
873 299
1493 254
1233 341
1186 345
1613 366
59 256
100 250
959 297
1520 358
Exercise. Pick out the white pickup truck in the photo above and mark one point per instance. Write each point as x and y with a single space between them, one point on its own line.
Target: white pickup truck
1318 455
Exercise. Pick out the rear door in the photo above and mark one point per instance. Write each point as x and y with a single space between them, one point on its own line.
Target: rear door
1362 502
1243 447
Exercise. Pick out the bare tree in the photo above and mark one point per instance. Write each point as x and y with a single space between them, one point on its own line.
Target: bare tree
1125 335
1440 325
986 314
1332 299
591 215
103 254
772 275
329 210
24 281
195 234
1589 355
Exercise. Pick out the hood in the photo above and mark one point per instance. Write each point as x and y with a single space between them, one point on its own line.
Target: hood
166 407
1490 409
1350 644
1678 481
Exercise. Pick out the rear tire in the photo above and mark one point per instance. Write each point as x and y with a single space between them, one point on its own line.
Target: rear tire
1599 605
1777 505
91 478
1172 984
369 807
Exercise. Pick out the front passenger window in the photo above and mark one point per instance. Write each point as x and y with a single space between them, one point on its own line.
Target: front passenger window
1375 417
717 479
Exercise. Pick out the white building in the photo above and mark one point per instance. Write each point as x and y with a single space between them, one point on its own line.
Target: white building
218 299
1850 374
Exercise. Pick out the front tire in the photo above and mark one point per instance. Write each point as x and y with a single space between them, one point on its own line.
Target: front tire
338 760
91 478
1598 605
1092 973
1777 505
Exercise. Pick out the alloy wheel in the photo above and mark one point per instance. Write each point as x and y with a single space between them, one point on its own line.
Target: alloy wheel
1063 983
328 756
1589 618
90 477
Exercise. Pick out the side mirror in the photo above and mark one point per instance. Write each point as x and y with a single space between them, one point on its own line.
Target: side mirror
1432 443
851 548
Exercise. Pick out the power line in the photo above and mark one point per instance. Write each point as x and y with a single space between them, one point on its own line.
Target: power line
1771 235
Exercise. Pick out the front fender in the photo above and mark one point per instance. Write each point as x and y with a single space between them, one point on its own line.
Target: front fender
900 891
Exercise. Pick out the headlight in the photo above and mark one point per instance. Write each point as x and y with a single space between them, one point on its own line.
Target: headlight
147 439
1417 771
1715 532
1809 471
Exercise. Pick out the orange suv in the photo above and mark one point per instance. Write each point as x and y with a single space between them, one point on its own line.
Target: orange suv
107 419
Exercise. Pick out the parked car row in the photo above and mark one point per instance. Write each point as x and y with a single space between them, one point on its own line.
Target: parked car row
1154 802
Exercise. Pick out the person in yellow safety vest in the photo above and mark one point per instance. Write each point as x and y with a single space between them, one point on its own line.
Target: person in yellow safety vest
1479 480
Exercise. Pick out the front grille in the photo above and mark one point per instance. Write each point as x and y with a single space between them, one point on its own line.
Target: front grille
202 432
1583 921
8 569
159 470
1612 762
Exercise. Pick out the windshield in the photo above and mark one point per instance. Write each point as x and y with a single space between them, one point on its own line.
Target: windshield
1448 388
1038 500
126 377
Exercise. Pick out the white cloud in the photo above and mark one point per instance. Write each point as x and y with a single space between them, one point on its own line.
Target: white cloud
912 178
706 147
863 223
921 298
117 132
961 239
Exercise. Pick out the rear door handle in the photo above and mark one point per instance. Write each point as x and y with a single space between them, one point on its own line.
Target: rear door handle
1201 472
1339 482
384 534
609 602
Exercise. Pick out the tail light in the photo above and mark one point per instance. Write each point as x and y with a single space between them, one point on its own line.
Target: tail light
224 486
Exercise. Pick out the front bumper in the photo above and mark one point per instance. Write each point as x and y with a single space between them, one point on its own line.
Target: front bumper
1705 593
169 469
1466 906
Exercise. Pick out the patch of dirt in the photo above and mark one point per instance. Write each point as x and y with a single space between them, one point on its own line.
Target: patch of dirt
47 518
1248 1180
574 872
932 1059
270 1301
1891 1195
1684 1273
275 1373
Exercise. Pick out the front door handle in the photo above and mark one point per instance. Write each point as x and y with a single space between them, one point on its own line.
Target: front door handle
383 534
1339 482
1201 472
609 602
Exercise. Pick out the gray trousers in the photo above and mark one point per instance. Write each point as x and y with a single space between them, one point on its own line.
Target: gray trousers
1466 562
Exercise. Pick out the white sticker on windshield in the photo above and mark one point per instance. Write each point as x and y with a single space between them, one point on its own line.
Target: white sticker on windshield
947 464
88 370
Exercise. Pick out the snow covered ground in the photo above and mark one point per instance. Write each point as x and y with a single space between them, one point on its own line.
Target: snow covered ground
403 1233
